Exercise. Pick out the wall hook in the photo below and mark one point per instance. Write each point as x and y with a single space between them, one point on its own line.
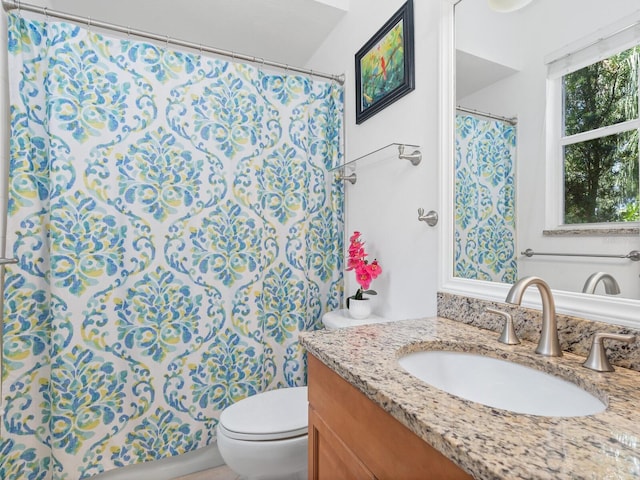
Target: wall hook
353 178
414 157
431 217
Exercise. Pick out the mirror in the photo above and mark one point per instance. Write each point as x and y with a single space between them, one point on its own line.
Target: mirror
502 62
606 308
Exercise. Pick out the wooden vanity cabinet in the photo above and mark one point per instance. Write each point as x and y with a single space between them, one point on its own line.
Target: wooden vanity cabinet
352 438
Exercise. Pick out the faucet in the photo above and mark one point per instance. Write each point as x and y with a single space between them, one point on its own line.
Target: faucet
549 344
611 286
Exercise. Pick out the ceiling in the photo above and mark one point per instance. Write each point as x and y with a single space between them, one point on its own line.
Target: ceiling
284 31
474 73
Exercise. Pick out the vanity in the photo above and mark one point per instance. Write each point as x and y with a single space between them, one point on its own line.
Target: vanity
371 418
352 437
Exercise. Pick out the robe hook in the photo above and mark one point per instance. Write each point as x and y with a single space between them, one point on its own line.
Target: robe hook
431 217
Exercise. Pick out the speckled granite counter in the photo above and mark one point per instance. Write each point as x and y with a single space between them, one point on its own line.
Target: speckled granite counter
487 442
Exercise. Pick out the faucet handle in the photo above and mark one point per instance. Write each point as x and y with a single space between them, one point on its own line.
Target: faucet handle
508 334
597 359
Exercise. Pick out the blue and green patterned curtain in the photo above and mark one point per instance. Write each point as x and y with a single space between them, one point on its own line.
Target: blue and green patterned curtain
175 226
485 200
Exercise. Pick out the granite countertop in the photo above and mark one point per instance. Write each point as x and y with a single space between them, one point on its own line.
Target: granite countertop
487 442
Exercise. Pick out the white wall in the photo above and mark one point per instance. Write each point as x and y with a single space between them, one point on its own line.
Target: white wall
524 95
383 203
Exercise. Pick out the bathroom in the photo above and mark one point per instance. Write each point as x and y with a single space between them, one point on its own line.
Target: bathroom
383 203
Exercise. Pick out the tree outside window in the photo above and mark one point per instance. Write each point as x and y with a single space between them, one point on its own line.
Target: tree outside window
600 141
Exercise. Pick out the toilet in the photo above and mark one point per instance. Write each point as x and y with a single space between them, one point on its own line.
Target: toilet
341 319
265 436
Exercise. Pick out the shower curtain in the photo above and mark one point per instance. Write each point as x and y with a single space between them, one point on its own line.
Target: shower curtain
485 200
175 226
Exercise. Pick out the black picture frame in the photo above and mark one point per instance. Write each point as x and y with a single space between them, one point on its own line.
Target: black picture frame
378 86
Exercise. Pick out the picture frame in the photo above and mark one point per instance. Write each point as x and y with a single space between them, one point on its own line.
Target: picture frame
385 69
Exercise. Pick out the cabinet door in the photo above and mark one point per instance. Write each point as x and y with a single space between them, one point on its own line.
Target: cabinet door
363 440
329 457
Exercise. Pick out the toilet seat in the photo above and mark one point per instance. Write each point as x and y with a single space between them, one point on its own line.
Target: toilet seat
273 415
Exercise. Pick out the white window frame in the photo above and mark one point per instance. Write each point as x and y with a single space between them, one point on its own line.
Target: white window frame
602 44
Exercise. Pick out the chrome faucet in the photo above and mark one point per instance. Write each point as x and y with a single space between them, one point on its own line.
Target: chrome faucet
611 286
549 344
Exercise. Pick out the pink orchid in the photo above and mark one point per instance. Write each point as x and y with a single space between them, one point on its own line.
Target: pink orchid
365 271
374 269
353 263
363 277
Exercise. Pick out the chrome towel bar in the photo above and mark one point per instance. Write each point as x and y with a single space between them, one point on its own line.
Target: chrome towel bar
7 261
633 255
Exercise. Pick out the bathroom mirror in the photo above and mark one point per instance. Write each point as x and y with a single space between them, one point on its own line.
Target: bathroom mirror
497 64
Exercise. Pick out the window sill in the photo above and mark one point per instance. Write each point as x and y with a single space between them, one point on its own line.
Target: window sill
592 232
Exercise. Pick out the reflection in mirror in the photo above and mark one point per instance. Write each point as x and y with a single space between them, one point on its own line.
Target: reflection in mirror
546 144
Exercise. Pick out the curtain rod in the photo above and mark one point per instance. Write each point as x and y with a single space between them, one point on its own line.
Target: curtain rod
18 5
512 120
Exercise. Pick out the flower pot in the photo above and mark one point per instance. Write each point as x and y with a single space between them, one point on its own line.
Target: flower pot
359 309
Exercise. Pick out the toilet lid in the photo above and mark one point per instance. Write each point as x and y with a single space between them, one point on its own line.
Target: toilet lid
340 319
271 415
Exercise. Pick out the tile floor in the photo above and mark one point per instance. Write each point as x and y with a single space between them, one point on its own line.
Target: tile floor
218 473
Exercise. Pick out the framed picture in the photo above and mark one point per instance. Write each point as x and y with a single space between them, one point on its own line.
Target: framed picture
385 65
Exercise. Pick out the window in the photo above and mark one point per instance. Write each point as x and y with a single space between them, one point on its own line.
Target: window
600 141
594 98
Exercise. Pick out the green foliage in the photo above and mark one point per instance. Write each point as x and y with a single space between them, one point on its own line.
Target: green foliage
359 295
631 213
601 175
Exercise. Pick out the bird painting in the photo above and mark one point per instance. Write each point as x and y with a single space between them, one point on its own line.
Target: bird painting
382 68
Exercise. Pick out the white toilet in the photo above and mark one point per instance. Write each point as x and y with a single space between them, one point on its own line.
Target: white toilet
341 319
265 436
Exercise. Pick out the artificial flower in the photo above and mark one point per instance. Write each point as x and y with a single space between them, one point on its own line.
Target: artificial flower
365 272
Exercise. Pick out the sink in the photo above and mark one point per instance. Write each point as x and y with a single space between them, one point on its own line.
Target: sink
501 384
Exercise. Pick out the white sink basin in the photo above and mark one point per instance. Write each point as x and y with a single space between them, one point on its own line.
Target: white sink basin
501 384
